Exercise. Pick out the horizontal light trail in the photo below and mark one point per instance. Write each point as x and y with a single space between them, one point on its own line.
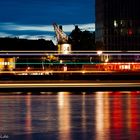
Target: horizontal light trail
72 54
51 71
67 85
73 63
55 63
72 51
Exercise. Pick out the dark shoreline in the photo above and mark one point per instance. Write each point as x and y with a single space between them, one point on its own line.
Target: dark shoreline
76 76
56 78
76 91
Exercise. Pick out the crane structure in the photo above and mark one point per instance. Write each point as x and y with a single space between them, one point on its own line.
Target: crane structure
62 40
60 35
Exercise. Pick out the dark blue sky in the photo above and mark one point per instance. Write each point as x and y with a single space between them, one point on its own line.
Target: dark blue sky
44 12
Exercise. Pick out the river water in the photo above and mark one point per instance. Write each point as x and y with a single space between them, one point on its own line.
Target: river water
67 116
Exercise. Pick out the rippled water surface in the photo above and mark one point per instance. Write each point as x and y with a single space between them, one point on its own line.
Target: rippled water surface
67 116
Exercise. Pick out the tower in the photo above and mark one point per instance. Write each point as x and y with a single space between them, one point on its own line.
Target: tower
117 25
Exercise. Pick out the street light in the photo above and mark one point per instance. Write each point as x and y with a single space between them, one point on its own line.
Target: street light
61 61
99 52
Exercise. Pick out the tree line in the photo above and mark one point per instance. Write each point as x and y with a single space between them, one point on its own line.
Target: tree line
80 40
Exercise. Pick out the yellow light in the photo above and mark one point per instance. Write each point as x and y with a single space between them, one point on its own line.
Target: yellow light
83 72
99 52
106 60
65 68
61 61
28 68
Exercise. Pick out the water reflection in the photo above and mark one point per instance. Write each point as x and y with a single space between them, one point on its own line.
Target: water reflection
28 119
102 115
66 116
99 116
135 115
83 113
117 115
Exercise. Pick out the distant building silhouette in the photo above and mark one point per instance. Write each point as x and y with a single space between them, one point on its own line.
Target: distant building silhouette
117 25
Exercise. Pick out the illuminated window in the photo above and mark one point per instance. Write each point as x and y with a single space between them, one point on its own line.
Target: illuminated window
130 32
115 23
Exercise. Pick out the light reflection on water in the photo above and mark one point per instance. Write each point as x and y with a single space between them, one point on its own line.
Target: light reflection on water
66 116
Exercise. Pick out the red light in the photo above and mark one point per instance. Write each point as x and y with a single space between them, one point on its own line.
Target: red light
130 32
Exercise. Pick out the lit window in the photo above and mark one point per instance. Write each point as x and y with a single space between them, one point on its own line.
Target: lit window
130 32
115 23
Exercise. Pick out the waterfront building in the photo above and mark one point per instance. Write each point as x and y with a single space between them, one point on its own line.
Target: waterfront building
117 25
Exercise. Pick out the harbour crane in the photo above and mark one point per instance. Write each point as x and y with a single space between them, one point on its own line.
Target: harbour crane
60 35
62 40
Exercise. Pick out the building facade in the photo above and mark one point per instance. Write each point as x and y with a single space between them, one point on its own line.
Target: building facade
117 25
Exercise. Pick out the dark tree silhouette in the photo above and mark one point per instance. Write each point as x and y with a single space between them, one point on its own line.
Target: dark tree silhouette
82 40
25 44
75 37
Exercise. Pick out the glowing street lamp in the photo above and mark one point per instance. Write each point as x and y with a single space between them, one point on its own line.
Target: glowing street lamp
61 61
99 52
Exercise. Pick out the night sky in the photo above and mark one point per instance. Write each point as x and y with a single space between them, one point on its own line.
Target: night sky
34 18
